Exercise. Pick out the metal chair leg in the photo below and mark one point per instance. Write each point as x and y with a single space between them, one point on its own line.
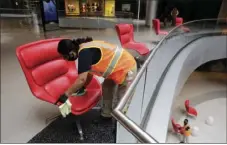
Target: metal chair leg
80 130
52 118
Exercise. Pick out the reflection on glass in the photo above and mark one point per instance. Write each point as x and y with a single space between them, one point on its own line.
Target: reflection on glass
90 7
50 11
72 7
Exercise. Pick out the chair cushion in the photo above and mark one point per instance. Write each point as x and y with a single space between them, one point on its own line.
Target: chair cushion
125 32
163 32
81 104
39 54
139 47
179 21
49 76
49 71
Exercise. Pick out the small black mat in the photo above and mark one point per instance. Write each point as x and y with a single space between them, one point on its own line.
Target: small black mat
63 130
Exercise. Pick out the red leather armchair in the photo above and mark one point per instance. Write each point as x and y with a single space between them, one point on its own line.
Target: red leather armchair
49 76
125 34
176 127
157 27
179 21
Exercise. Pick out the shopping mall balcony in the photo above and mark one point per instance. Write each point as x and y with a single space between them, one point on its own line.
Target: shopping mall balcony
183 65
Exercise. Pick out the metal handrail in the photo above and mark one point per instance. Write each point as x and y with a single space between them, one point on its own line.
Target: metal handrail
125 121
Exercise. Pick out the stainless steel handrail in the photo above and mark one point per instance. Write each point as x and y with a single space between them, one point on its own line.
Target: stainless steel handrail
125 121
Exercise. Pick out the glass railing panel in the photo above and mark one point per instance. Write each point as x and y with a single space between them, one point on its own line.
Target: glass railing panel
133 112
172 45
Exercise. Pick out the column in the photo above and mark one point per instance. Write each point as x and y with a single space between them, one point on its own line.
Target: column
223 10
138 12
151 10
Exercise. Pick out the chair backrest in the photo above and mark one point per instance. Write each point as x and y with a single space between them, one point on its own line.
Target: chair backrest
186 103
179 21
125 33
175 125
47 73
156 25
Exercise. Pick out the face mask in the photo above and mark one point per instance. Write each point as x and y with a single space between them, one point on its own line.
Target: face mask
72 56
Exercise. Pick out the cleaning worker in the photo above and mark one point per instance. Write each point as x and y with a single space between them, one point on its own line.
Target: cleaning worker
117 66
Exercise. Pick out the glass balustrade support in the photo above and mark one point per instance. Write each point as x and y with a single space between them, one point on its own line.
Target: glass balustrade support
133 128
125 98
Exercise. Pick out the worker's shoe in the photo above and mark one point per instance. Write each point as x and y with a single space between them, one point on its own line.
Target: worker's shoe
106 109
106 113
103 117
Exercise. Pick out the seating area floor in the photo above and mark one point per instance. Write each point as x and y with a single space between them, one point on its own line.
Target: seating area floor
63 130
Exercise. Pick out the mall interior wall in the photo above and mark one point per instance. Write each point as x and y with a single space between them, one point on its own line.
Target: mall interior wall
223 10
132 4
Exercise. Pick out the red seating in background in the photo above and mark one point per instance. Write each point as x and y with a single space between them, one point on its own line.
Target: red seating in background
179 21
157 27
189 109
125 34
49 76
176 127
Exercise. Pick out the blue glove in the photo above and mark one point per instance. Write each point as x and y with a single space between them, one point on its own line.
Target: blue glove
80 92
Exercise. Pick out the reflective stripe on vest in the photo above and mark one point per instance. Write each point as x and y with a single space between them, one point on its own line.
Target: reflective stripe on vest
99 44
111 66
117 54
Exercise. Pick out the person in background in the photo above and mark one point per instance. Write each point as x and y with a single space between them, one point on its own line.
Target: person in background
174 14
185 131
117 66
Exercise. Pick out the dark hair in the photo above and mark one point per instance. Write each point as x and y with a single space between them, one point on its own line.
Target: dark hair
67 45
187 128
185 121
79 41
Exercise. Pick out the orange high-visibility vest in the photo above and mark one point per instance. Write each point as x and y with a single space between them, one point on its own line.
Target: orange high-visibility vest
115 61
185 132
